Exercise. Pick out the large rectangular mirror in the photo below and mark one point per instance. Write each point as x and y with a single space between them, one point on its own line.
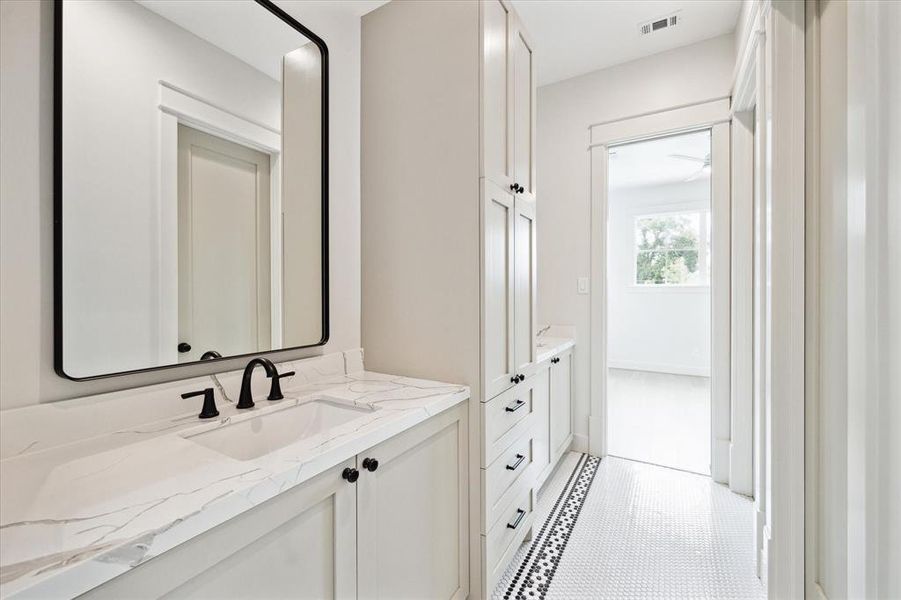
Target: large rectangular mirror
191 182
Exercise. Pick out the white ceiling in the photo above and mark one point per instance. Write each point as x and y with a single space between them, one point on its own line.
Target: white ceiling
574 37
253 35
242 29
651 162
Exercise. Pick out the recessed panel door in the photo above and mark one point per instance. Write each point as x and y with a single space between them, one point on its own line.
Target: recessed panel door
498 218
524 287
223 247
523 112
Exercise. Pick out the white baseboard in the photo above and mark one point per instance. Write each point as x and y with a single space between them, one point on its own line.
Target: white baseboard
595 443
636 365
580 442
763 561
719 463
741 480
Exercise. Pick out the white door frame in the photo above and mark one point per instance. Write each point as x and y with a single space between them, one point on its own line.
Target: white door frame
771 77
177 105
713 115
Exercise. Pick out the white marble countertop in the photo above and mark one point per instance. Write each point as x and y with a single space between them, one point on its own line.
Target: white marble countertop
77 515
549 346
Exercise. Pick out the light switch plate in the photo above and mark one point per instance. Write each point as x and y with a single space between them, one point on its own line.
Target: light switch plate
582 285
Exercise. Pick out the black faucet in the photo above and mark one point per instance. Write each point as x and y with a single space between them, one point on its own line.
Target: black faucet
245 398
209 403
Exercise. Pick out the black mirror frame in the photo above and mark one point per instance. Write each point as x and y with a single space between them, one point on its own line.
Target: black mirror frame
58 202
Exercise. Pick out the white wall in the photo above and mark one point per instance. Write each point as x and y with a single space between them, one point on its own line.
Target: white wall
691 74
26 202
660 328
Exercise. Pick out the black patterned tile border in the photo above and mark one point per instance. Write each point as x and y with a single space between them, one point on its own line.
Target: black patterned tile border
533 577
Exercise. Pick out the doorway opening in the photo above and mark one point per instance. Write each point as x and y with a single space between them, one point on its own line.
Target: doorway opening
659 302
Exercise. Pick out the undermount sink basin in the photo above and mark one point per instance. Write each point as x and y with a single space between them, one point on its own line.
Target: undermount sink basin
266 433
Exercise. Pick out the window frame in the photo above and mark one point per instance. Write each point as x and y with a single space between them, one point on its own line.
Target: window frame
704 241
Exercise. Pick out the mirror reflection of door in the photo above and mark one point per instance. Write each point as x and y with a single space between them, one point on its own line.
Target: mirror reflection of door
223 246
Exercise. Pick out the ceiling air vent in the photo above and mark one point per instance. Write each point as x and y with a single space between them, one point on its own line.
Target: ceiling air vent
659 24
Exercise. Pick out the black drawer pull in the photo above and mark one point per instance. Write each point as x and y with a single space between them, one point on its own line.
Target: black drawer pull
520 513
515 406
519 459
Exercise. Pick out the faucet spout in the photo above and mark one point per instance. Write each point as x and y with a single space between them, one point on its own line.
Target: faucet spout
245 399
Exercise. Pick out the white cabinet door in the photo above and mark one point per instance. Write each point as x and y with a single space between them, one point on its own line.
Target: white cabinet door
300 544
497 92
561 404
541 396
523 76
413 513
498 218
524 317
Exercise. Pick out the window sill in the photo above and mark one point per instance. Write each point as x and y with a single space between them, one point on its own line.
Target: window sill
679 289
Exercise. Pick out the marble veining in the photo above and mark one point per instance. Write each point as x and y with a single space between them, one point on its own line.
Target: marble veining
76 514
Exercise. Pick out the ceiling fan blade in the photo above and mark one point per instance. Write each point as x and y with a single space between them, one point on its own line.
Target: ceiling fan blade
697 174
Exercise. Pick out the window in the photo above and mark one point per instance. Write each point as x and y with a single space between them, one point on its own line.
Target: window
673 249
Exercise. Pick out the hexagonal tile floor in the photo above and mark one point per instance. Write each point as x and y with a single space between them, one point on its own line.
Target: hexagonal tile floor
615 528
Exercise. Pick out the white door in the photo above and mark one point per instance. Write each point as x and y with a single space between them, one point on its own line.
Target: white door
561 415
523 112
497 92
300 544
498 218
223 246
524 317
412 513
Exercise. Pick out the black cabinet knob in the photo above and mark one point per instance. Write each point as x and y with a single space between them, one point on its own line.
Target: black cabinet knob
521 377
521 189
351 475
184 347
514 187
514 379
370 464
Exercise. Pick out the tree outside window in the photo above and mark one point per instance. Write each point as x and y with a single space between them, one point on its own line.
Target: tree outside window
672 249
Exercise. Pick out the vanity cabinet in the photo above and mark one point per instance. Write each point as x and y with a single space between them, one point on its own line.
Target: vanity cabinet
561 414
412 513
541 396
398 531
300 544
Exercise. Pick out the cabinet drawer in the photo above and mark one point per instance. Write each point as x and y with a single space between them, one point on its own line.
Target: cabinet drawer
504 420
502 541
506 478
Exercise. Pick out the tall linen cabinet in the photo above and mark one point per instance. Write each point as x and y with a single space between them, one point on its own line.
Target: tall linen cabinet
448 236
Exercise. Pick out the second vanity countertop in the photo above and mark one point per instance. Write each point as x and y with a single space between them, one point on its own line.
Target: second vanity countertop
78 515
549 346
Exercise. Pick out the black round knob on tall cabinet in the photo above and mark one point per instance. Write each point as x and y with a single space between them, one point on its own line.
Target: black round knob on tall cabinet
514 379
184 347
350 474
370 464
514 187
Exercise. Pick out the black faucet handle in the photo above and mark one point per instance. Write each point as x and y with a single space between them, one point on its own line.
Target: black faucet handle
209 402
275 391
